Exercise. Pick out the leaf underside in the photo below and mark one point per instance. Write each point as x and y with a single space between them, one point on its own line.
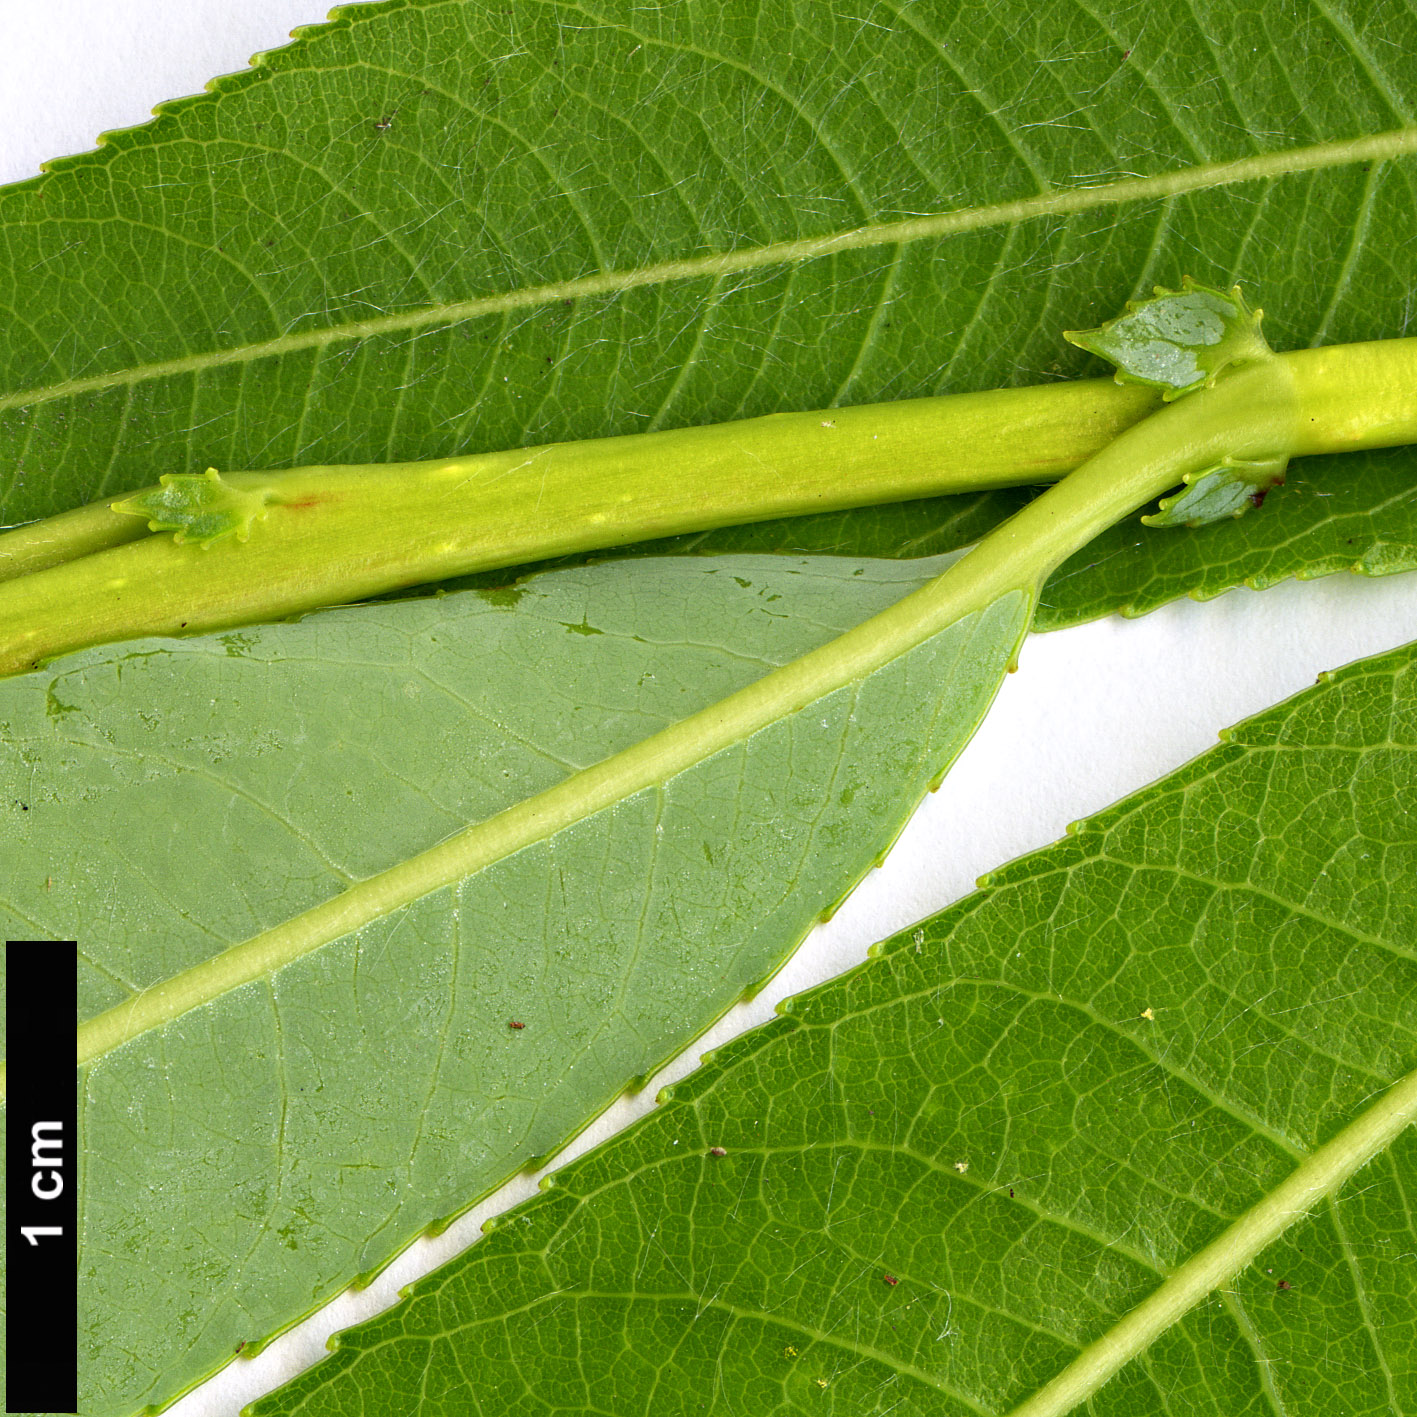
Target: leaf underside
949 1171
247 1159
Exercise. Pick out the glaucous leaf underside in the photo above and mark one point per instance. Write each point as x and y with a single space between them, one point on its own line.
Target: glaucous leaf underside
249 1155
431 227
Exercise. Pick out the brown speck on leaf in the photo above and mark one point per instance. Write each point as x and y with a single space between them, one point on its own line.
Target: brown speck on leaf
512 1023
1011 1193
891 1280
1284 1286
718 1151
241 1345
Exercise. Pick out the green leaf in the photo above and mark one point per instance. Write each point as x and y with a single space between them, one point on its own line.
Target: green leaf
256 1140
1324 509
550 223
1131 1126
429 227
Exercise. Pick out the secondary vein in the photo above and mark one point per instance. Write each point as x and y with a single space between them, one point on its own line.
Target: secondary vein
937 606
1378 147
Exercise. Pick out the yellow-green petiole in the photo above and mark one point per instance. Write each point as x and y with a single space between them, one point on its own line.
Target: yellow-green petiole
321 536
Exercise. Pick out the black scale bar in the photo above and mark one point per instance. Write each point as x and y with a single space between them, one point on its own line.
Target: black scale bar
41 1177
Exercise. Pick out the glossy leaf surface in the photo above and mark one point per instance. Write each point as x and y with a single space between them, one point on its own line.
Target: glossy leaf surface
1325 510
935 1181
248 1155
437 226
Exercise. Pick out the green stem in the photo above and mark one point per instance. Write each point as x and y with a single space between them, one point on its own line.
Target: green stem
1254 411
562 497
337 534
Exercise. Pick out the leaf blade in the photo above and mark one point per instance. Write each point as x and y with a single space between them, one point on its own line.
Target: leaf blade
1036 1120
254 1140
1381 147
343 212
867 319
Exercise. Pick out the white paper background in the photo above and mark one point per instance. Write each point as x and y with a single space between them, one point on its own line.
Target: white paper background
1093 713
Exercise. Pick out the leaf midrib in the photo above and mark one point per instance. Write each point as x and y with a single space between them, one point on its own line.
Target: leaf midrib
939 605
1395 143
1320 1176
